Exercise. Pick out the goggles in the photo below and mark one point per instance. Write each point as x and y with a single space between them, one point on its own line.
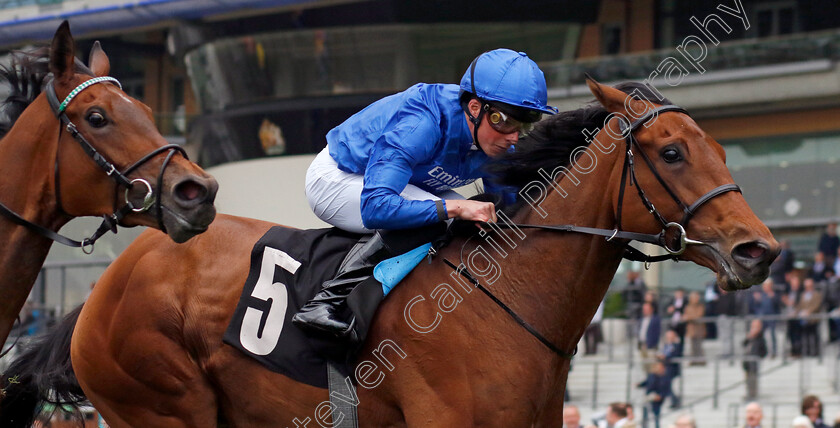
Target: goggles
504 123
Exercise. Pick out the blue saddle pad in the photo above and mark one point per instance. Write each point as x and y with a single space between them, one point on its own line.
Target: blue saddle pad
391 271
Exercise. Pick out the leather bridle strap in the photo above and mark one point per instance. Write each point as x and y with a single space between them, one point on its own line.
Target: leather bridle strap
14 343
628 175
731 187
629 167
648 238
41 230
158 204
688 211
462 270
109 222
60 113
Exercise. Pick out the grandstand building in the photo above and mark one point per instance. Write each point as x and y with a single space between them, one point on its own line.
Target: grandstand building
251 87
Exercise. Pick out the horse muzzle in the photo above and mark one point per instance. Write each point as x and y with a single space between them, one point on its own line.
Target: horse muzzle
187 207
746 264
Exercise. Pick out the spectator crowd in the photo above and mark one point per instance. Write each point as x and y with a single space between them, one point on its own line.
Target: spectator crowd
786 316
621 415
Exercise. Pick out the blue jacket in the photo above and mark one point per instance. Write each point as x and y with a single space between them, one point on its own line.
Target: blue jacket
653 332
671 351
419 136
661 385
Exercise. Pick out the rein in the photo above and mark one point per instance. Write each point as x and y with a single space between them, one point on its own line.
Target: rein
462 270
14 343
672 238
674 245
109 222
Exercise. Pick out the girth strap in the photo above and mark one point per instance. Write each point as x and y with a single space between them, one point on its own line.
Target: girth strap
341 408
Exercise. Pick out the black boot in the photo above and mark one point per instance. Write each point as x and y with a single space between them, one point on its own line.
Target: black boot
323 315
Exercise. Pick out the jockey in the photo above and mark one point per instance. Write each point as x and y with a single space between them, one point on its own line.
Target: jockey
393 164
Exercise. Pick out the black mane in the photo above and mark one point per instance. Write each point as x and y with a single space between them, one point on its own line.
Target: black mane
24 77
552 141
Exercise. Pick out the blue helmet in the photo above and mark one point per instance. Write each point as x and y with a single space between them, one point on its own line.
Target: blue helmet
508 77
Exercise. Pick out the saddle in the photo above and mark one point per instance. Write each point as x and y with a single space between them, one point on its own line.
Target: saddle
288 267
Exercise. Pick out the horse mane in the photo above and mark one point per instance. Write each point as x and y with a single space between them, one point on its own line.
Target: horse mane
25 76
551 143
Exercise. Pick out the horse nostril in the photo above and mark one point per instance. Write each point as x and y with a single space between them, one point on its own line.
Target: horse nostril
754 254
190 190
751 250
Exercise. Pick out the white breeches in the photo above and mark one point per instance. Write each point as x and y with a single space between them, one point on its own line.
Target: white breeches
336 196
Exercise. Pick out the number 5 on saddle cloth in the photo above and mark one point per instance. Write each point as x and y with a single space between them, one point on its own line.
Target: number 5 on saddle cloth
288 267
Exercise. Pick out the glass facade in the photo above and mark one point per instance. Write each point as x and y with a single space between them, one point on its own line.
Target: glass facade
279 93
790 182
726 56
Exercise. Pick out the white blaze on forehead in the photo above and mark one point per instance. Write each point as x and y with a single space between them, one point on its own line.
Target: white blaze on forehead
125 97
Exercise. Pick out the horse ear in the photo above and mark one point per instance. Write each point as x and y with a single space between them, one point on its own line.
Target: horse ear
99 63
63 54
612 99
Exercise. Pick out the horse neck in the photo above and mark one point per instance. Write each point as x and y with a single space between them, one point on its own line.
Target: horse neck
27 154
580 267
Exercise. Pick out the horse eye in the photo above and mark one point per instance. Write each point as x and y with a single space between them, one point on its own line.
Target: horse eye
96 119
671 155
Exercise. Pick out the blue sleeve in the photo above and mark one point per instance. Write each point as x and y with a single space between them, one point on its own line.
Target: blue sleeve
389 169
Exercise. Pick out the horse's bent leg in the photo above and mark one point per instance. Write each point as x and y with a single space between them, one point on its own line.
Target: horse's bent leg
140 377
194 407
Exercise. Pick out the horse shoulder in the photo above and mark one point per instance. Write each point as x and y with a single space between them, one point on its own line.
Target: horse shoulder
186 284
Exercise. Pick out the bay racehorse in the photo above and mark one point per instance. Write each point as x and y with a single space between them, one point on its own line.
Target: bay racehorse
147 348
79 158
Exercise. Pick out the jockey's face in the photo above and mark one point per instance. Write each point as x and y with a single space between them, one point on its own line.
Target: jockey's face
492 142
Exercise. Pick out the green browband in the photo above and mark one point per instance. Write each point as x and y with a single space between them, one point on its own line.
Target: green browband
84 86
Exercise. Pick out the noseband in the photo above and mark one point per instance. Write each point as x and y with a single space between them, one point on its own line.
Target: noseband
674 245
673 237
673 249
109 222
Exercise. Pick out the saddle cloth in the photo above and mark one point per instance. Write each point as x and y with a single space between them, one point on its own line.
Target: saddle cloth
288 267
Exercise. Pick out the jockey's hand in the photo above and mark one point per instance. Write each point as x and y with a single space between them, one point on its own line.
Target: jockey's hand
471 210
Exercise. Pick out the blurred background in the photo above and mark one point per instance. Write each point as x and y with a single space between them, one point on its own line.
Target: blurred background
251 87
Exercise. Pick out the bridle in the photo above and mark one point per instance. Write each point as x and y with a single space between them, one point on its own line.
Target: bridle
109 222
674 245
672 238
688 210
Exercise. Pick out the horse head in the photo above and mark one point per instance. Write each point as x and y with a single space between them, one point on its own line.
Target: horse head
682 173
151 181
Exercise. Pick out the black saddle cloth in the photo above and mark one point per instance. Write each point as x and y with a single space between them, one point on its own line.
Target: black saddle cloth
288 267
